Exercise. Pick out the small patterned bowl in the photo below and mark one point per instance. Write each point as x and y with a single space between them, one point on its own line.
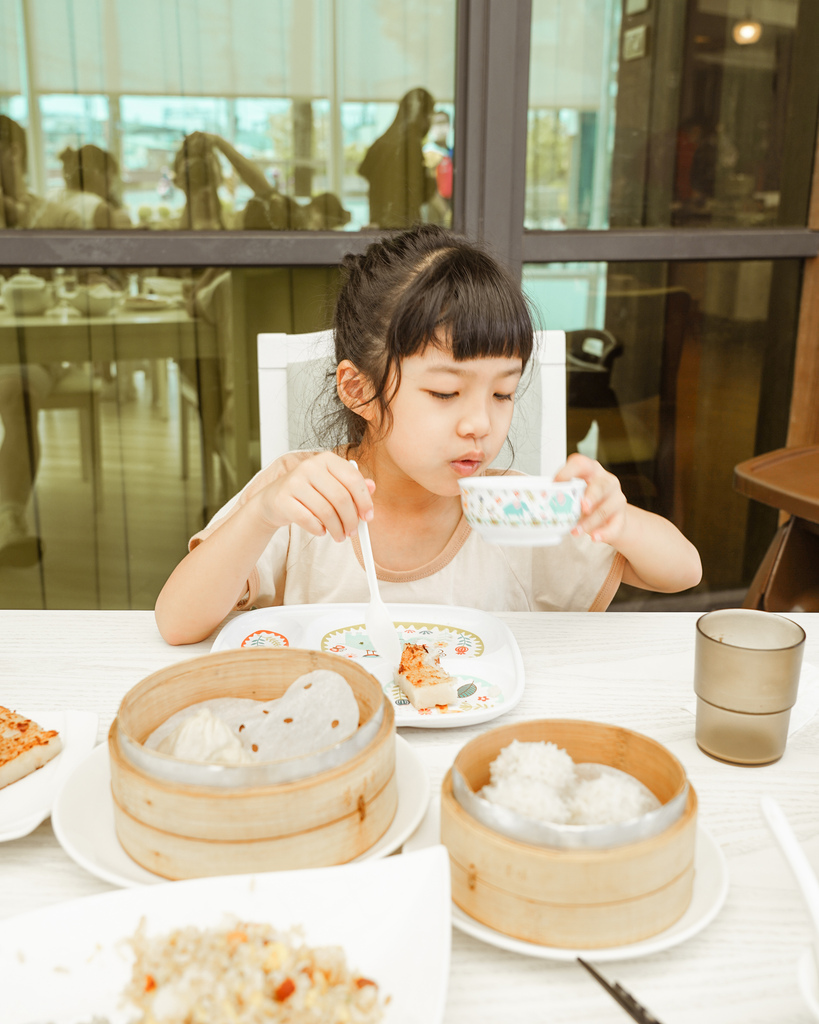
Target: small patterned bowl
521 510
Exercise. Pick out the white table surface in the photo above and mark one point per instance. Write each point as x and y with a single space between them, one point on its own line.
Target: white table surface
630 669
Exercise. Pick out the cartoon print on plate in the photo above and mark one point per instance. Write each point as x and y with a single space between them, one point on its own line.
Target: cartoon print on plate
474 694
265 638
353 642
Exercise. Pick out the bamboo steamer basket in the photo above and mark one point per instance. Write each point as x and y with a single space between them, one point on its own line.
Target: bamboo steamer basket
191 831
572 898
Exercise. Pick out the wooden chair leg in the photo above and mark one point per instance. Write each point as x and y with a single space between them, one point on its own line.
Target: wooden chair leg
755 598
793 585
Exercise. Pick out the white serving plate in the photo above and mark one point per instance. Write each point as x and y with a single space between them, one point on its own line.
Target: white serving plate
83 817
477 648
67 963
27 803
710 890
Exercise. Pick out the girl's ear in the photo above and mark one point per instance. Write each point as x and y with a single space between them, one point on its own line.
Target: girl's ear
355 390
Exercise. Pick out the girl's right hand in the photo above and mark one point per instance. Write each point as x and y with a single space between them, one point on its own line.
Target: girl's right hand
323 494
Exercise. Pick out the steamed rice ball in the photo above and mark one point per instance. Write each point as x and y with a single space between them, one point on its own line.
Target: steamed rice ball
543 761
531 797
541 781
608 799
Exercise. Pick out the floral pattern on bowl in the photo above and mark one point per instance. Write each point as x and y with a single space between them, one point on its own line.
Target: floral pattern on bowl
521 510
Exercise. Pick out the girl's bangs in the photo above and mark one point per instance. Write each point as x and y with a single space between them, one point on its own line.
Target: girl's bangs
467 305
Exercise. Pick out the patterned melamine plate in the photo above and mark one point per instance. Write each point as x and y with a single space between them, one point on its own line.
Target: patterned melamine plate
475 647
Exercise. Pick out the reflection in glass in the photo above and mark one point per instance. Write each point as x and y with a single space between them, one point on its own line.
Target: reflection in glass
91 195
572 96
125 427
398 177
679 371
291 94
700 126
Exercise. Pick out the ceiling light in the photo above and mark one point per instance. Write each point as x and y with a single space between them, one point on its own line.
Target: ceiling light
747 32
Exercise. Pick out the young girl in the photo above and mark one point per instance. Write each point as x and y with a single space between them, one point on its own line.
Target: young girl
431 338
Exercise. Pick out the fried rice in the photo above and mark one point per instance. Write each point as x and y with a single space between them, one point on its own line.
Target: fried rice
246 974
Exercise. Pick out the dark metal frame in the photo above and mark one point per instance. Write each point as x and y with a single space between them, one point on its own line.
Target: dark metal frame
493 50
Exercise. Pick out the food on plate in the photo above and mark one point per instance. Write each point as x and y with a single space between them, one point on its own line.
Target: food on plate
318 710
246 974
541 781
24 746
203 736
422 679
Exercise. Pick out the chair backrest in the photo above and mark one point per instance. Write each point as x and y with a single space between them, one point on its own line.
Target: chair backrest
294 367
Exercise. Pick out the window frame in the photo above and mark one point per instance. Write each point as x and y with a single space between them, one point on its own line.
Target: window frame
491 100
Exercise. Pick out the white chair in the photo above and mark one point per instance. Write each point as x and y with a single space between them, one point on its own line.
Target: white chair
292 368
79 389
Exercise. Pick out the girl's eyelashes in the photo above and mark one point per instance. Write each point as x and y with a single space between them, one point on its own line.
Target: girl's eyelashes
454 394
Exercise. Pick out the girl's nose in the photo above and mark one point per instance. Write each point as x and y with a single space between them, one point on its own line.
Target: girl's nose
475 422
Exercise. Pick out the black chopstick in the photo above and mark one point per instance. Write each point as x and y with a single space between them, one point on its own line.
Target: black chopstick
625 999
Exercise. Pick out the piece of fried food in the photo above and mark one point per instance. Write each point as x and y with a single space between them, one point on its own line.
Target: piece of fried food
24 746
422 679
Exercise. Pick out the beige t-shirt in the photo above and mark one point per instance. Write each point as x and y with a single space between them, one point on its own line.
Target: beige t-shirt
299 568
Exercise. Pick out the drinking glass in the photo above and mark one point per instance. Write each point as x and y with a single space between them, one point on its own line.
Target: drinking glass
746 676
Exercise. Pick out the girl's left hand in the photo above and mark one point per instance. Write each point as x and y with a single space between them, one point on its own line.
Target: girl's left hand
604 508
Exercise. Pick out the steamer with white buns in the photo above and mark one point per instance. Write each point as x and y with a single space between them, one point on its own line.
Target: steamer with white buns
181 829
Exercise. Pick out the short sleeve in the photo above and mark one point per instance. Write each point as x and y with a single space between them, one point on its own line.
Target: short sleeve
576 575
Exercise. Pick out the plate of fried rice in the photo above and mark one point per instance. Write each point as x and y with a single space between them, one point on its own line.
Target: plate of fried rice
340 945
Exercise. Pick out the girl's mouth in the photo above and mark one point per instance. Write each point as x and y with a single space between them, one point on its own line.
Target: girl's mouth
466 467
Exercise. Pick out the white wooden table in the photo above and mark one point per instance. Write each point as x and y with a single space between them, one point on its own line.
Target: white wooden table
631 669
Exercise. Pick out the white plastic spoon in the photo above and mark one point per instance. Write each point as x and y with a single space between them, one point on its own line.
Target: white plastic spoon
380 627
797 861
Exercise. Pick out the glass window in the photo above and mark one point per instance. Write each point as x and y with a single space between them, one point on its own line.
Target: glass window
684 113
212 114
676 373
129 412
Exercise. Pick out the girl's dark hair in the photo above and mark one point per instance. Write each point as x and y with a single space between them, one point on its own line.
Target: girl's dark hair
11 133
87 161
426 286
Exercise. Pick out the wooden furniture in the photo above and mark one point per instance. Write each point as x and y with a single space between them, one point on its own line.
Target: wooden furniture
787 579
630 669
293 368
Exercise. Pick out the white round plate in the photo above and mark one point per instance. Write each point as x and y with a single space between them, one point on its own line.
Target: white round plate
83 817
27 803
809 981
475 647
710 890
